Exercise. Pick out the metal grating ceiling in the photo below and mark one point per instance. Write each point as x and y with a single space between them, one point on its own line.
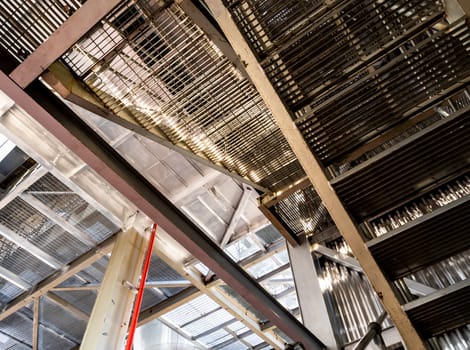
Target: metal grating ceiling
24 25
376 61
20 262
195 96
432 155
303 212
70 206
20 217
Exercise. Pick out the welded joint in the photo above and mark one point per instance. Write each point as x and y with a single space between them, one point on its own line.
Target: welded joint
130 286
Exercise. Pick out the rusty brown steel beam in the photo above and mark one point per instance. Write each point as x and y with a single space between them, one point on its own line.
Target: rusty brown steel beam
317 176
75 27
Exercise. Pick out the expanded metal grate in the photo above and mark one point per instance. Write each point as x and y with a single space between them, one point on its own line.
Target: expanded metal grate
24 25
163 69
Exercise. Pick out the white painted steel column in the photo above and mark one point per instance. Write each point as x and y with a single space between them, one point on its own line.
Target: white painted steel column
109 319
312 304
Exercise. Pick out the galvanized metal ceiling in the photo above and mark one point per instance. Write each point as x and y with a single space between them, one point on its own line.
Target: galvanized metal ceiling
384 107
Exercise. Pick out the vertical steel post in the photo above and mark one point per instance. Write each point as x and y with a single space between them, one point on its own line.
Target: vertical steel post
312 304
109 319
140 294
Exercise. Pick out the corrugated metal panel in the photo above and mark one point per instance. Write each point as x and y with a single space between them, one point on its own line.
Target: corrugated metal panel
353 299
439 152
456 339
424 243
61 320
446 272
8 292
451 309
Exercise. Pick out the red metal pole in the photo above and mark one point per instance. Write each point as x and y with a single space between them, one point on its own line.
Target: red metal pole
140 293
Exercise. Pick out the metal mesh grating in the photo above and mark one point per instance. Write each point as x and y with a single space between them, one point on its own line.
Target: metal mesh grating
303 212
341 36
169 75
27 222
356 111
54 194
374 61
24 25
8 292
269 234
22 263
436 112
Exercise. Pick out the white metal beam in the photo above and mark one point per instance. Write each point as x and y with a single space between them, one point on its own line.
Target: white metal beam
14 279
109 319
315 313
247 191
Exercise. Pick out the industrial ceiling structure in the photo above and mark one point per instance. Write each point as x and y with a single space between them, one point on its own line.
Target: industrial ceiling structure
306 161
